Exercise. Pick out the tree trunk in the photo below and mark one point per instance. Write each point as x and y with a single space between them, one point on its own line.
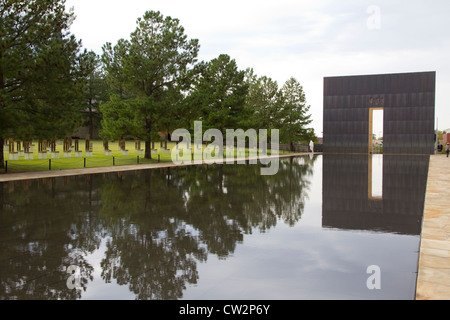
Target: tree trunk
148 140
148 149
1 198
2 86
2 158
148 198
91 123
220 182
224 142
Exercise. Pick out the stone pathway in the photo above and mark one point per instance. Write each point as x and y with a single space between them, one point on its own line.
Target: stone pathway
433 281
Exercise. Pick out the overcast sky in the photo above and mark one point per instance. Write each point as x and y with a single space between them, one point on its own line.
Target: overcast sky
306 39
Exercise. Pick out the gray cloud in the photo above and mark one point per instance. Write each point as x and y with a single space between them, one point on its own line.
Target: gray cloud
305 39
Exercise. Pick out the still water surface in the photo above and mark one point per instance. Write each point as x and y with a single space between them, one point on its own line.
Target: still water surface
217 232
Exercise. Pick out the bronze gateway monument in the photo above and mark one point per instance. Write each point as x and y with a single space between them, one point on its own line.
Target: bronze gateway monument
408 104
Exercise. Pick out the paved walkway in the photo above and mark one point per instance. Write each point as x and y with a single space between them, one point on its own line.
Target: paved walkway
74 172
433 282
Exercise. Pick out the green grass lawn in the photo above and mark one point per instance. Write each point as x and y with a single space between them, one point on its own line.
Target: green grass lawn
98 159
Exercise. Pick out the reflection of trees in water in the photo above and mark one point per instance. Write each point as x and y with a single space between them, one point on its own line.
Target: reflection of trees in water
159 224
163 221
46 226
285 194
150 248
230 201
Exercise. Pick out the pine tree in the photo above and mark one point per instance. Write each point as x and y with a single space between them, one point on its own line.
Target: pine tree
148 72
293 117
41 73
220 94
263 100
96 92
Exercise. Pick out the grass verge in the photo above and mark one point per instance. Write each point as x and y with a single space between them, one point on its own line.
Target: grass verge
98 159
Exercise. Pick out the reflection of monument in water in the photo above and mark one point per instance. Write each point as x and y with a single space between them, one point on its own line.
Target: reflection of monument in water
349 204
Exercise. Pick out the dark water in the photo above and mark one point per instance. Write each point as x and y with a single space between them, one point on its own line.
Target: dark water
217 232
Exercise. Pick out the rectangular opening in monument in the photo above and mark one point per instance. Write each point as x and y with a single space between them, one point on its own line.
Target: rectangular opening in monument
376 128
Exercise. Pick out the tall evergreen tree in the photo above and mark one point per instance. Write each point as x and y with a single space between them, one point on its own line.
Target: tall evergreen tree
220 94
264 101
293 117
149 71
97 92
41 71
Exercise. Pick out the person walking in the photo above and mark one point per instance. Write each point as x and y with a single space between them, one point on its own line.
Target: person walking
447 149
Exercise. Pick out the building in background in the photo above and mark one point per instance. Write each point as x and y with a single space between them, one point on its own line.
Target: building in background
406 99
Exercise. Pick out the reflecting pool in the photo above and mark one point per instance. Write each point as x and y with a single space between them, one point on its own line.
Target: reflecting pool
313 231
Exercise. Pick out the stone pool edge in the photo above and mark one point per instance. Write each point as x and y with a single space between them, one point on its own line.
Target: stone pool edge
433 278
74 172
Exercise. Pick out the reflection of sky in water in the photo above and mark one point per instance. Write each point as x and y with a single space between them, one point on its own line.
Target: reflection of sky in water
222 232
309 263
98 289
